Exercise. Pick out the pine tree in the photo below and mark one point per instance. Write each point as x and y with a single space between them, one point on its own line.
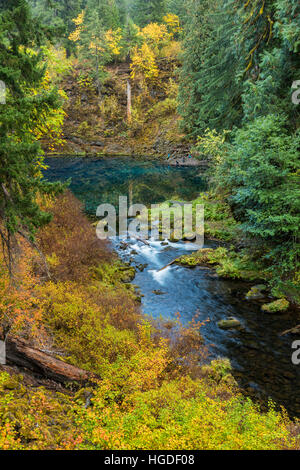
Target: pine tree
20 170
105 11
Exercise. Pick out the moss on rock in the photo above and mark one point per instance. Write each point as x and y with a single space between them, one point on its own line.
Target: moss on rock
278 306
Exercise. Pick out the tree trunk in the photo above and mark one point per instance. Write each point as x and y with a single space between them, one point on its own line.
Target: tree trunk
20 354
128 102
97 74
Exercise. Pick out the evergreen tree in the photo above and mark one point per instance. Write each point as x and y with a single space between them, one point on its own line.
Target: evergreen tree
58 15
147 11
198 30
261 171
105 11
275 67
98 18
244 67
20 170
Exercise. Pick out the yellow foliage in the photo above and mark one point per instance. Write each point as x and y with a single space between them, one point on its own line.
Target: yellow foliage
146 398
141 411
35 419
75 35
49 124
154 34
211 144
113 39
143 65
171 50
95 47
173 24
20 310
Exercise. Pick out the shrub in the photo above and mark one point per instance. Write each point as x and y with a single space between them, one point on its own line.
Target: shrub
91 322
179 414
35 419
70 240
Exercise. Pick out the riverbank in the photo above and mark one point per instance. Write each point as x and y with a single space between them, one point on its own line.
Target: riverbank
87 316
238 258
234 292
260 361
180 161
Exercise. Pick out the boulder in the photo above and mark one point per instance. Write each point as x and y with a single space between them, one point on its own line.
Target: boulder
256 292
158 292
228 323
278 306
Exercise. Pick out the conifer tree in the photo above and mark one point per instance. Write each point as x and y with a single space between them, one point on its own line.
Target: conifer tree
58 15
20 171
198 30
240 59
147 11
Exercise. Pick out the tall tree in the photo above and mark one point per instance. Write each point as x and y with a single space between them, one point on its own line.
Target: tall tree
243 67
198 31
59 15
147 11
24 110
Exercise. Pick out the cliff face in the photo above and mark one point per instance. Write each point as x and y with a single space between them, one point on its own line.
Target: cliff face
98 124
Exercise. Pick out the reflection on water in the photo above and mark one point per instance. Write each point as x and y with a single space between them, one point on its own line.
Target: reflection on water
260 357
101 180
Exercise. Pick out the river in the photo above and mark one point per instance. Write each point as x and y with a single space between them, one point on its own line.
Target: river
260 357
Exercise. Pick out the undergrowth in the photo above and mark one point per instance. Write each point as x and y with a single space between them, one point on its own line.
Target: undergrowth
155 388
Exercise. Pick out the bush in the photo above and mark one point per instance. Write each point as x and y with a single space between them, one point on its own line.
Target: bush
180 414
262 171
91 322
35 419
70 241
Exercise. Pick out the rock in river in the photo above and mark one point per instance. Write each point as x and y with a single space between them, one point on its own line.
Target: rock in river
228 323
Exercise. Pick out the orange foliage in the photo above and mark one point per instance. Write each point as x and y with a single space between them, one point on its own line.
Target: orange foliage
20 310
70 241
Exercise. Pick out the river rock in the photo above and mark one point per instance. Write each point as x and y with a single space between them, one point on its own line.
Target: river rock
123 246
142 266
228 323
127 273
158 292
97 143
168 248
256 292
278 306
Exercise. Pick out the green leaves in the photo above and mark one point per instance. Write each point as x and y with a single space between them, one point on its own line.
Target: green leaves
20 176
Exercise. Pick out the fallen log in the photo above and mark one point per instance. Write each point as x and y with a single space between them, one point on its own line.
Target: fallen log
169 264
294 330
20 354
142 240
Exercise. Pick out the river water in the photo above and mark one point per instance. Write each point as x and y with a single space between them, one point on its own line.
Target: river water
260 357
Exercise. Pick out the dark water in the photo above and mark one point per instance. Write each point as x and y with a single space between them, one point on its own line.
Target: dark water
260 357
100 180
